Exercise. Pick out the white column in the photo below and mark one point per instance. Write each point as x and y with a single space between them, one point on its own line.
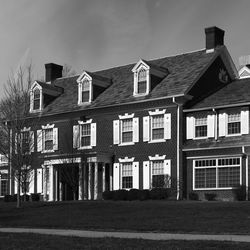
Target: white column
111 176
96 181
80 190
51 183
103 178
56 184
85 182
90 181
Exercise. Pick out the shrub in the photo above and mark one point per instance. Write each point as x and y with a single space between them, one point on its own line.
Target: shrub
143 195
108 195
193 196
159 193
240 193
133 194
8 198
210 196
25 197
14 197
35 197
120 194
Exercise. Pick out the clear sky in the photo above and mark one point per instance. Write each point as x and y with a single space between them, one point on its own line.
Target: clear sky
98 34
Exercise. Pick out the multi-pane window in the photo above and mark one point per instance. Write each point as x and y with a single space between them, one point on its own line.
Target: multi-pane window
201 127
36 99
85 134
127 130
127 175
48 139
157 127
158 174
217 173
142 81
85 90
4 183
233 124
26 141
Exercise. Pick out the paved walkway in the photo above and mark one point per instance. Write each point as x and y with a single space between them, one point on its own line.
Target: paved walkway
129 235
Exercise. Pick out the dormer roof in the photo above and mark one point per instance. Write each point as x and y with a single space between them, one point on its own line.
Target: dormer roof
48 89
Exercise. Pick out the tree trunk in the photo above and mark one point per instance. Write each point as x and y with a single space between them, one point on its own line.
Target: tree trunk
18 204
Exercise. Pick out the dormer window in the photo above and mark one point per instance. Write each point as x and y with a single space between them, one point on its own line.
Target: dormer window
36 100
85 89
142 81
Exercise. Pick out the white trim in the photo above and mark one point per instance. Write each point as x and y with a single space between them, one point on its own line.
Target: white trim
80 81
61 161
25 129
48 126
212 156
35 86
126 116
157 157
157 141
126 144
140 64
234 146
126 159
209 51
85 147
86 122
157 112
245 68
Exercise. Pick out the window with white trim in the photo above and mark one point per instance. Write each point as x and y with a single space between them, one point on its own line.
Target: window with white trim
26 141
201 127
36 100
233 124
126 130
217 173
86 90
127 175
48 139
142 81
84 135
157 127
158 178
3 183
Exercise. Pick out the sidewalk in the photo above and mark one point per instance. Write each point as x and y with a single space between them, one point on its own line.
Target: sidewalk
129 235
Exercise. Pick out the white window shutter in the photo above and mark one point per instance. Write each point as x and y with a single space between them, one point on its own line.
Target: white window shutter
222 124
31 141
136 175
146 128
39 180
244 121
136 129
167 172
116 176
93 134
210 125
39 140
190 127
167 126
55 138
76 136
146 175
31 187
116 131
15 142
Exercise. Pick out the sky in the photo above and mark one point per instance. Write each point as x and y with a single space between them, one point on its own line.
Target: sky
98 34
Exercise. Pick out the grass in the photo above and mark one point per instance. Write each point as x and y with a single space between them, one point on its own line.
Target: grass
10 241
165 216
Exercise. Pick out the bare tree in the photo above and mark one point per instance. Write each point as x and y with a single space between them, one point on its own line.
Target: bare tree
68 70
17 141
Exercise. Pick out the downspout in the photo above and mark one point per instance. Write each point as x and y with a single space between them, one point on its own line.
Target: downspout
244 154
178 150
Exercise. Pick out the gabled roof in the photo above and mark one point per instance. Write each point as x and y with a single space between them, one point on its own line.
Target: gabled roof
48 87
184 70
235 92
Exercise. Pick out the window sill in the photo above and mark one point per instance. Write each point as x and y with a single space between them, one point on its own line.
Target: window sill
85 147
36 111
229 135
48 151
140 95
201 138
126 144
84 103
206 189
157 141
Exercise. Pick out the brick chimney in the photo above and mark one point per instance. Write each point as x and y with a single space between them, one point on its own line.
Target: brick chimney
52 71
214 37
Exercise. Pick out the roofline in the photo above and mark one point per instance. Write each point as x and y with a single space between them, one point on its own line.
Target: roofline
108 106
217 107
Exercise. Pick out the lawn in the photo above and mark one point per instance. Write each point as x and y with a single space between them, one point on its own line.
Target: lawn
164 216
34 241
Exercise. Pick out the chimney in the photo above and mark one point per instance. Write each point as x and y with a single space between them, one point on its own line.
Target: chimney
52 71
214 38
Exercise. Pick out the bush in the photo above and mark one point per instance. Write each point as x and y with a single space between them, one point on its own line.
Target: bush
14 197
120 194
159 193
193 196
210 196
143 195
240 193
25 197
8 198
108 195
133 194
35 197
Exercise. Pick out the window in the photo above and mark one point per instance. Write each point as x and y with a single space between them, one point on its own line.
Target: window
201 127
26 142
217 173
48 139
158 178
4 184
36 99
85 134
127 175
85 90
157 127
142 81
127 130
233 124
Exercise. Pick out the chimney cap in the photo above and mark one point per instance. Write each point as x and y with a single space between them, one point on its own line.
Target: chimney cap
52 71
214 37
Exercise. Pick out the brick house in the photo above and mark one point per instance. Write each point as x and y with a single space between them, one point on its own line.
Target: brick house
124 127
4 178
